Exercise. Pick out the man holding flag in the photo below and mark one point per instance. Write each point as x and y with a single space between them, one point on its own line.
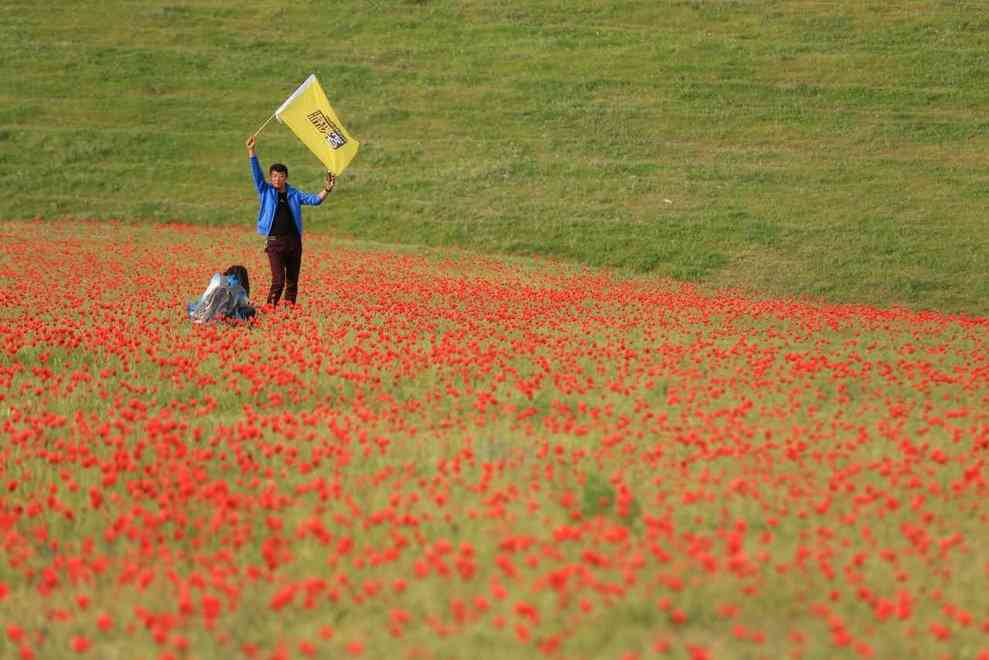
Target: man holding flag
308 114
280 220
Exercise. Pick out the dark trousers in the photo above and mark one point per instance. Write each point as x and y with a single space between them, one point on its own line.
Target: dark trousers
285 257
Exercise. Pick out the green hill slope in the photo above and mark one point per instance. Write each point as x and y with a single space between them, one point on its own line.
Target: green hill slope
834 149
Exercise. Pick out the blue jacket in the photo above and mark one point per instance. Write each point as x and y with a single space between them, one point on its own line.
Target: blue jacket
268 198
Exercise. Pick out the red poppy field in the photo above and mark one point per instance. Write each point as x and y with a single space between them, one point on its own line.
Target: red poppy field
440 455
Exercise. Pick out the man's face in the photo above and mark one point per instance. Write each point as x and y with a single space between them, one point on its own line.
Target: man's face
278 179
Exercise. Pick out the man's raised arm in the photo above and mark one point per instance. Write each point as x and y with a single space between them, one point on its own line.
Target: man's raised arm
255 166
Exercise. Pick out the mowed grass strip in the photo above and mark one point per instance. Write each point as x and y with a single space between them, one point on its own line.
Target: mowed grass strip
834 149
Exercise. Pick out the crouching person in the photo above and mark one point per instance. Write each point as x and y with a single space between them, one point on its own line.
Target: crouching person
226 297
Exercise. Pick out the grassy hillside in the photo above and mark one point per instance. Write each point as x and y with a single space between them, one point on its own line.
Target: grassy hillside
834 149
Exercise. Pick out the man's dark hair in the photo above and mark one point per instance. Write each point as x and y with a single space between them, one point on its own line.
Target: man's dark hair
278 167
241 274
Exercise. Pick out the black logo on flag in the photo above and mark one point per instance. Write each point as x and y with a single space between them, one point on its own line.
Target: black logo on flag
334 136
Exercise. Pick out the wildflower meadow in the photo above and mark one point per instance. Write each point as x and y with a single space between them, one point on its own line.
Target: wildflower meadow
443 455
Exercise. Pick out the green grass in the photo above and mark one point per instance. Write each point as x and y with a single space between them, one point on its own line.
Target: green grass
800 148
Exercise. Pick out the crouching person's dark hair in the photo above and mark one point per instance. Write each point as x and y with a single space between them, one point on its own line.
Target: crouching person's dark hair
240 273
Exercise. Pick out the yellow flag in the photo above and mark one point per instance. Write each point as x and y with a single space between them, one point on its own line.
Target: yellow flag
309 115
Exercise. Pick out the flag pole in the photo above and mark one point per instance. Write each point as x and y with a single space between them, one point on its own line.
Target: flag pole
257 132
